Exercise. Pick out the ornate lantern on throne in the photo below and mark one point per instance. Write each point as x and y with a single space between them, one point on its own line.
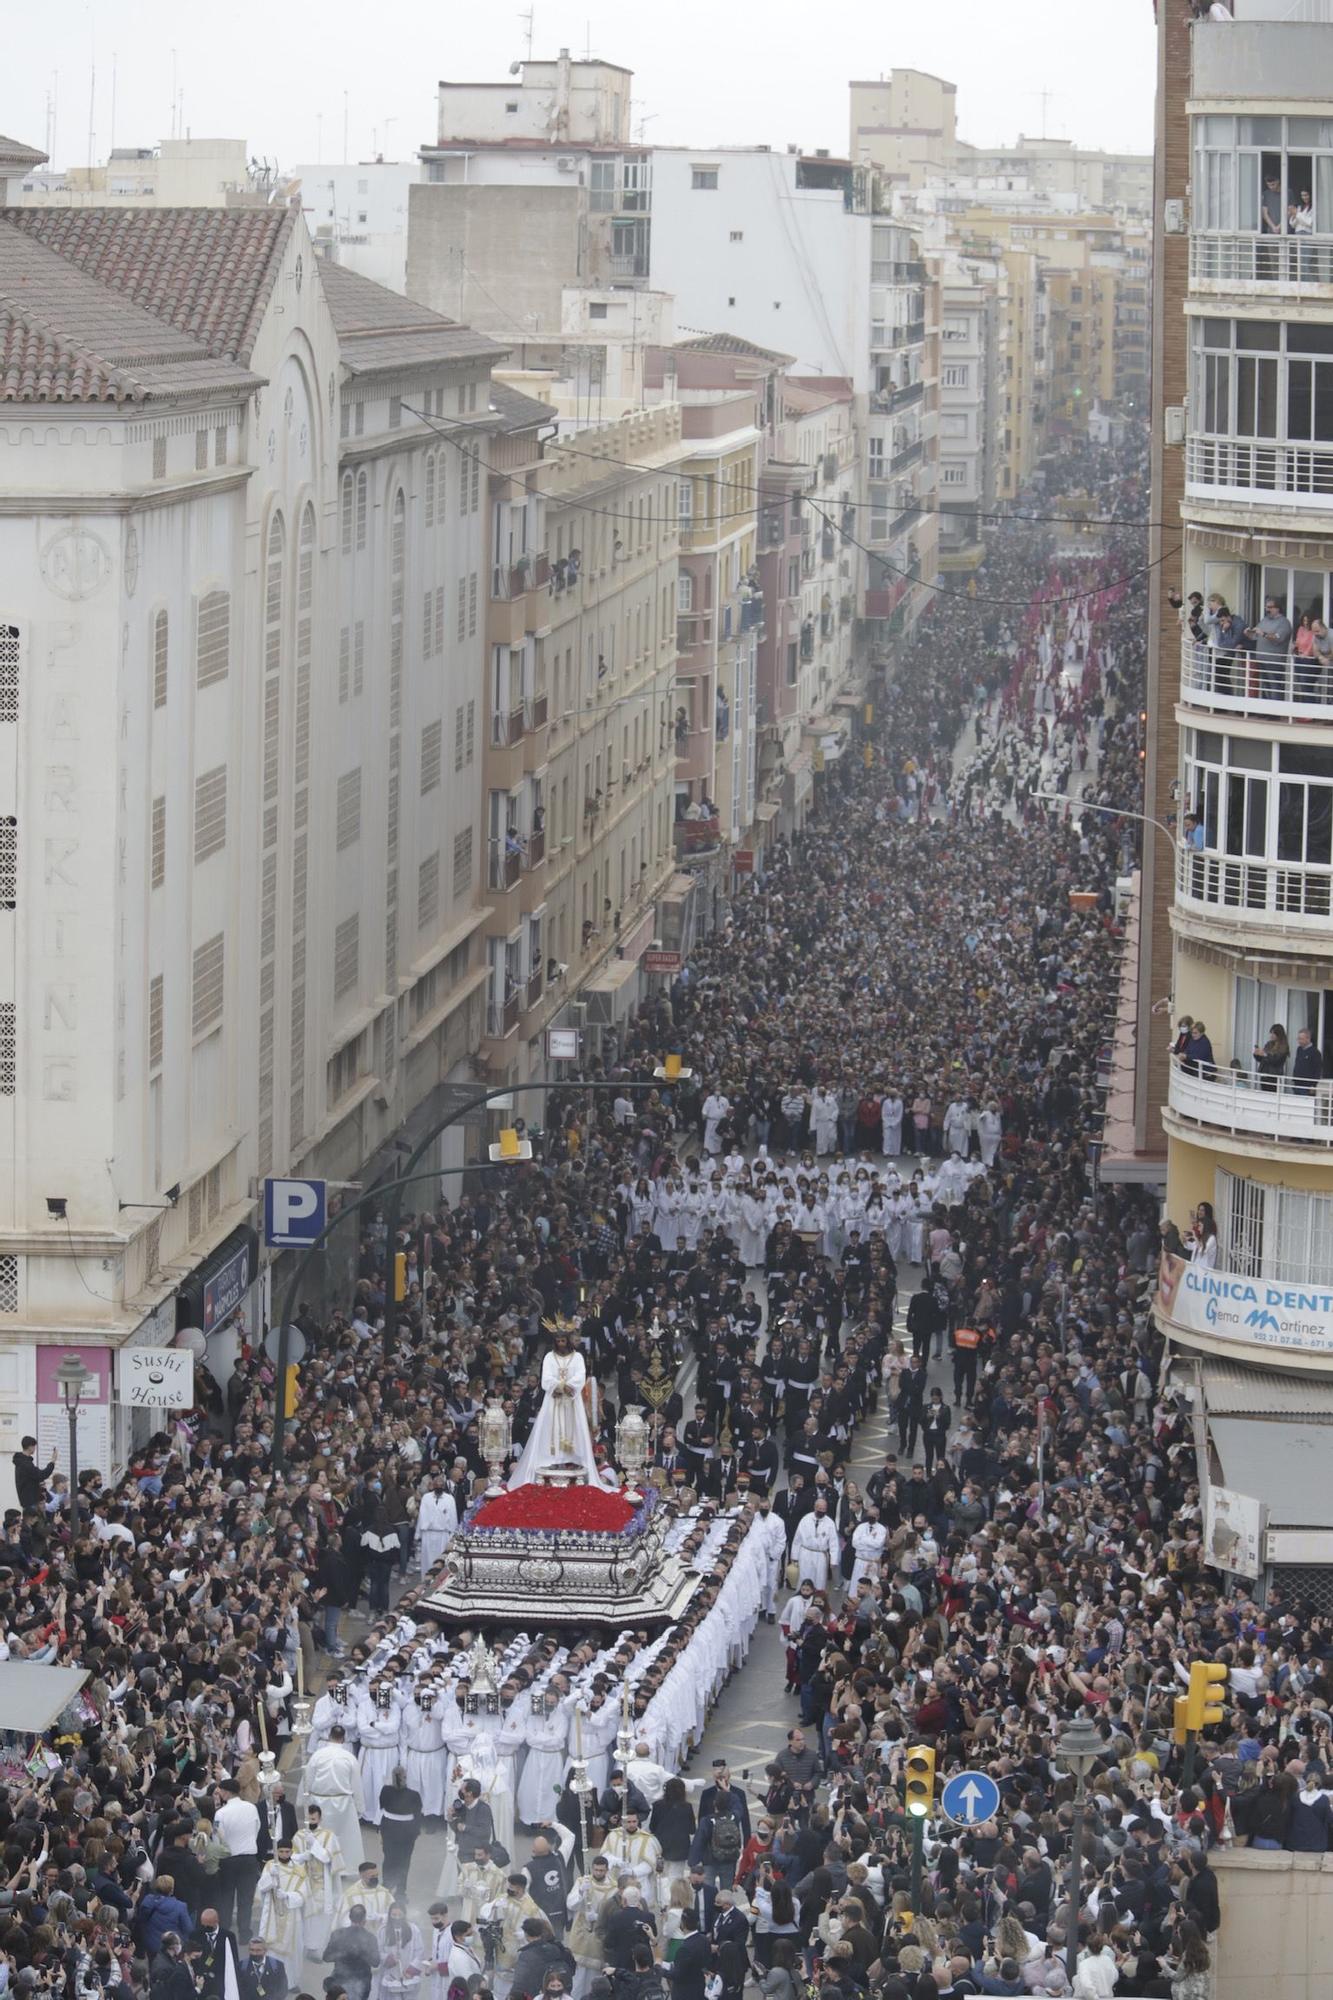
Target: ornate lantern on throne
632 1449
495 1436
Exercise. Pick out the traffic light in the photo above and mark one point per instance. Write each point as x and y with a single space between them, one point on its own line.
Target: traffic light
1180 1722
869 713
399 1276
291 1390
919 1784
868 757
1205 1703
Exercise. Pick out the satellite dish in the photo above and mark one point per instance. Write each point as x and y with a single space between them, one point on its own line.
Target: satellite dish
194 1338
296 1343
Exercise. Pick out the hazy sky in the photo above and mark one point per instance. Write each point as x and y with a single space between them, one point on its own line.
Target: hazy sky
704 73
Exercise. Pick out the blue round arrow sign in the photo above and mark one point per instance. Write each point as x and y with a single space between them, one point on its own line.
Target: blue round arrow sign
970 1797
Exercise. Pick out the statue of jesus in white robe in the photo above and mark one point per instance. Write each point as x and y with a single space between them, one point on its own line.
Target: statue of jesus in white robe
561 1438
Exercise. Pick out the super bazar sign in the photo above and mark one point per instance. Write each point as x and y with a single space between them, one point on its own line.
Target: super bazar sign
1254 1312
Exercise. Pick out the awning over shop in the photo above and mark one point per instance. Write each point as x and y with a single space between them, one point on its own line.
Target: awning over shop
1284 1463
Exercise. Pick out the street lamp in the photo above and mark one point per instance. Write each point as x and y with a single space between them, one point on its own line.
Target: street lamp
71 1378
1112 812
1078 1748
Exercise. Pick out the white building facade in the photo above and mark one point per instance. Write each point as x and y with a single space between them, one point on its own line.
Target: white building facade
239 631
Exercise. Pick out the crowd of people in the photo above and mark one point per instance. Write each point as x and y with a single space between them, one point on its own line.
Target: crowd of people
875 1167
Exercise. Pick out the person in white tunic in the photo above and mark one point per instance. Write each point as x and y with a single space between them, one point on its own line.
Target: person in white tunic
716 1108
332 1781
773 1546
317 1850
869 1537
596 1731
283 1890
754 1230
561 1435
824 1120
437 1522
891 1124
423 1748
336 1708
814 1547
958 1128
990 1127
546 1734
380 1721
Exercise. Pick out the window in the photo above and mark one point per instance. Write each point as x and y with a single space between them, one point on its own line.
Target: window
738 236
956 374
362 504
684 592
472 605
201 451
953 475
511 109
463 862
8 1048
685 501
346 955
458 737
210 813
1285 1234
160 658
395 405
601 186
347 503
157 872
462 609
431 742
704 178
430 489
597 309
213 638
207 985
428 891
471 730
358 657
159 458
349 809
155 1020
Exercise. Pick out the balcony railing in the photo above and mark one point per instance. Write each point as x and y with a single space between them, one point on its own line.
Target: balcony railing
535 989
539 710
504 868
693 628
1283 894
1299 475
883 401
696 836
512 579
1294 1109
536 847
502 1017
508 727
1288 263
752 612
1293 688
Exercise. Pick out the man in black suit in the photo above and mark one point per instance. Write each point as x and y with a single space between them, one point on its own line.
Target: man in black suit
705 1895
689 1968
730 1932
669 1454
263 1976
759 1456
211 1950
277 1823
911 1397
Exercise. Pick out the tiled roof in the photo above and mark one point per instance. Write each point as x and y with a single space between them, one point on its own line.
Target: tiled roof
207 271
378 329
730 343
516 411
64 338
14 153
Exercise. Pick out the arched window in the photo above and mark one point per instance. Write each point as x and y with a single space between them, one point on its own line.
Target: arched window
347 503
362 508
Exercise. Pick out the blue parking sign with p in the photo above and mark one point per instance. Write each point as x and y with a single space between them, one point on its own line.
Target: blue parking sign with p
294 1213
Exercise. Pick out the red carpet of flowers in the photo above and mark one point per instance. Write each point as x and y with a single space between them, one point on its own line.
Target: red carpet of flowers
575 1507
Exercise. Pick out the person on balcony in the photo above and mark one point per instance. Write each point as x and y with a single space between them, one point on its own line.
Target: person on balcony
1271 1060
1203 1236
1198 1059
1307 1065
1272 638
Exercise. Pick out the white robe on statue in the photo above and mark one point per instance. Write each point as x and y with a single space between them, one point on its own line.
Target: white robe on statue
560 1435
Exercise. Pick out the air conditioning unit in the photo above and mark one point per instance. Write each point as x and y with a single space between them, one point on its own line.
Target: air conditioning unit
1173 217
1174 432
567 164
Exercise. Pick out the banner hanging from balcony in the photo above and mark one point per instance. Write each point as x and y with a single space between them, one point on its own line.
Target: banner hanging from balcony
1250 1312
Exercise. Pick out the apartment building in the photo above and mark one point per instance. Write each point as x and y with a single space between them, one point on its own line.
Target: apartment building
972 296
242 902
1235 914
580 754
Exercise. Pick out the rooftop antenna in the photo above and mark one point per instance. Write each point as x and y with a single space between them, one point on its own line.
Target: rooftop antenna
55 111
319 135
1045 96
112 147
345 152
587 41
173 93
92 98
527 21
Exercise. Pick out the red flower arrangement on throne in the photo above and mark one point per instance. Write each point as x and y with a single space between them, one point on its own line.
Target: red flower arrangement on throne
581 1508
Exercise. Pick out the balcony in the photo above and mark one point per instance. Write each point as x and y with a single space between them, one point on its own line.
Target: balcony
1241 1102
508 727
901 522
752 612
1249 895
539 710
1294 264
1294 475
693 839
510 580
534 990
693 628
503 868
883 401
908 455
536 853
1293 689
502 1018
